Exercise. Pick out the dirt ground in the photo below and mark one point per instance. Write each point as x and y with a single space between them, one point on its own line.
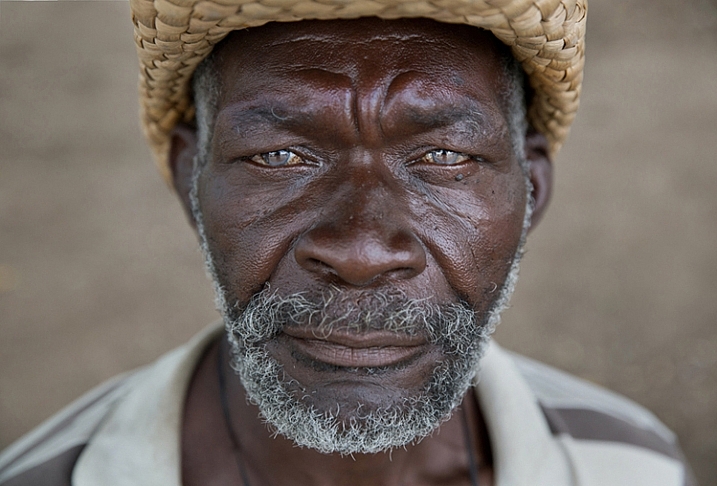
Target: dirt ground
99 272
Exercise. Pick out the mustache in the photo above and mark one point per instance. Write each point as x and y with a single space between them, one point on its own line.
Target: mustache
454 326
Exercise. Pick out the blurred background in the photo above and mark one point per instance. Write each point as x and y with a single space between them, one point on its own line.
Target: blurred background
99 272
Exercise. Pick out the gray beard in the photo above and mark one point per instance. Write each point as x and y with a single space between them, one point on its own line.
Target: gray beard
365 427
457 329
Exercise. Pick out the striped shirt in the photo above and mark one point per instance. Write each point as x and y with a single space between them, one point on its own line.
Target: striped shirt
546 428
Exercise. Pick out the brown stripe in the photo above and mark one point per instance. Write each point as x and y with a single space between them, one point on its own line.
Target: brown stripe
587 424
53 472
64 423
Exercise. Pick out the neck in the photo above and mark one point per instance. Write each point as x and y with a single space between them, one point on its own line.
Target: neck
442 458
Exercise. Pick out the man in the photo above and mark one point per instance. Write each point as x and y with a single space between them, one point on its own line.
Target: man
362 190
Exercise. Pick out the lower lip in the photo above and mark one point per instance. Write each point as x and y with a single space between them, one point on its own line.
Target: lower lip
345 356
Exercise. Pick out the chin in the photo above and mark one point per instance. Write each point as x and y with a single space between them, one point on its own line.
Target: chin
354 411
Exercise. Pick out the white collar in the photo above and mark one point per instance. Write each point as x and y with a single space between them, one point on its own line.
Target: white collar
524 450
140 443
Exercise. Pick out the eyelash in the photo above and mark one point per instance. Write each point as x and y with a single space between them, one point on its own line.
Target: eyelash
459 158
264 158
444 157
290 158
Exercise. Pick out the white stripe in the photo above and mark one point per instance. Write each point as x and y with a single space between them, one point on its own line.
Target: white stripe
599 463
524 450
557 389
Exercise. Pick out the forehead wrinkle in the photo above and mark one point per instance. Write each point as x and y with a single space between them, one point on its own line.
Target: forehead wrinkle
289 110
297 114
412 97
465 115
239 124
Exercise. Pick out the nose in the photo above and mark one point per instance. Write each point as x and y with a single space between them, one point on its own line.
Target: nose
361 251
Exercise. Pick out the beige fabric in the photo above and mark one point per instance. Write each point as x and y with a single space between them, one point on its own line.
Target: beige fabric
524 452
597 463
174 36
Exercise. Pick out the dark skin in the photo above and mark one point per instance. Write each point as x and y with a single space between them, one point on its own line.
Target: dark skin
370 156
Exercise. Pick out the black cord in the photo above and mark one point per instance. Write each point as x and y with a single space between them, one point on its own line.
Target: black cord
227 416
472 464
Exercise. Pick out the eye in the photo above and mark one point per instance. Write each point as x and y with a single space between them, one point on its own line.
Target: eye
444 157
277 158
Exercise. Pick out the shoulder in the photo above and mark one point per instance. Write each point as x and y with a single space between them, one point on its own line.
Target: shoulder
116 432
47 455
597 427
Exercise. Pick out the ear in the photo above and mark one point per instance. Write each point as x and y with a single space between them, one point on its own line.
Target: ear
183 148
541 172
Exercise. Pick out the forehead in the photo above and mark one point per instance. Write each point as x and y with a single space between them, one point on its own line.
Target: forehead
361 53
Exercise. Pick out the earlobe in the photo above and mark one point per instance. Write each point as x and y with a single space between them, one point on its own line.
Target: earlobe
183 149
541 173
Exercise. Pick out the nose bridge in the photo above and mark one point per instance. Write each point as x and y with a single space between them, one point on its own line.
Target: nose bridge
362 235
367 198
363 195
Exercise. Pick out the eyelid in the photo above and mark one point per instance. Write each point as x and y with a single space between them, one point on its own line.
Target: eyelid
294 159
430 158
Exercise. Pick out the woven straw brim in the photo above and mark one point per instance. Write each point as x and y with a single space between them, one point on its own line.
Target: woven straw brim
174 36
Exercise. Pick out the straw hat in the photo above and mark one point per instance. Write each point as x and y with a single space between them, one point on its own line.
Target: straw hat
174 36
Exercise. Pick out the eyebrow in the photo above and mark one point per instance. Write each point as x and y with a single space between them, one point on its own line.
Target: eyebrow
466 115
268 114
466 118
448 115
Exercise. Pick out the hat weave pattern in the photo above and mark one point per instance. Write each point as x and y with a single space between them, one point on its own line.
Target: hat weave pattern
173 36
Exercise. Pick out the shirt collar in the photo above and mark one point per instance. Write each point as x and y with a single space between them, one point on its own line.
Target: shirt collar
524 450
139 443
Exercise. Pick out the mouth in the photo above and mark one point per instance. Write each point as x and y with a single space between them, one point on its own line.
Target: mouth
374 349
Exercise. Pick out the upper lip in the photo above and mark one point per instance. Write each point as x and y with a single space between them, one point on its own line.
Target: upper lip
357 340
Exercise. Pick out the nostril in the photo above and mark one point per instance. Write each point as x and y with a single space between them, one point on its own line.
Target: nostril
317 265
402 273
360 257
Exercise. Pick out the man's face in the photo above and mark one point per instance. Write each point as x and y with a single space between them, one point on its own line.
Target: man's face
362 175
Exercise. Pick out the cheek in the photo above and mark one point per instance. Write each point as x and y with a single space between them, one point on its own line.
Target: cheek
472 232
248 230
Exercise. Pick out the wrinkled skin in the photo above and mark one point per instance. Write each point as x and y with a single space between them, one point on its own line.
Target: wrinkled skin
368 200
